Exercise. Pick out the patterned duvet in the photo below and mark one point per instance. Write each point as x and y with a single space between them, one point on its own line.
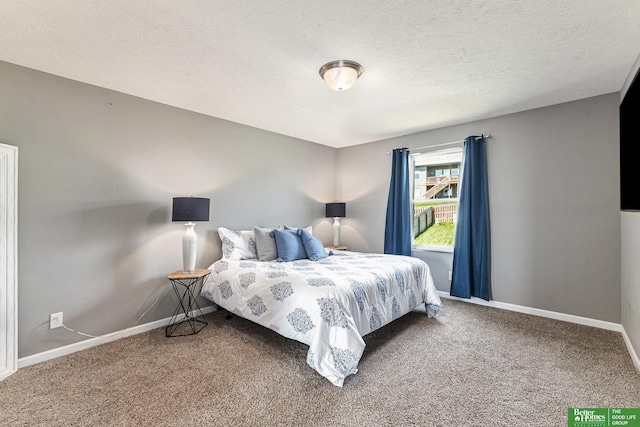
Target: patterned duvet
328 304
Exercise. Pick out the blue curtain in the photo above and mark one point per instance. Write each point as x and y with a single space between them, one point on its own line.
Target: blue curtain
397 231
470 275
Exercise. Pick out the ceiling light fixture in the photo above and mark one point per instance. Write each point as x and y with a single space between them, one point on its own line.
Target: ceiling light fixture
341 74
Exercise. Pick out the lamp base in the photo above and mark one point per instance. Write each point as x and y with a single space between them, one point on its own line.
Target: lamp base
189 248
336 231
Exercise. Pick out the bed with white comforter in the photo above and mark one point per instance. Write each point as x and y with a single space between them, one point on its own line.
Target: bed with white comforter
329 304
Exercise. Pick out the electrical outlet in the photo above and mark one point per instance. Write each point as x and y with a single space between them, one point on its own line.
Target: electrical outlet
450 274
55 320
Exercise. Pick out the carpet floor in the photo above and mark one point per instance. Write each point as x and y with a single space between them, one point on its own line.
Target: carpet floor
470 366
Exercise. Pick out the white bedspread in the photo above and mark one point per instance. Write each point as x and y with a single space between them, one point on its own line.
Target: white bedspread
328 304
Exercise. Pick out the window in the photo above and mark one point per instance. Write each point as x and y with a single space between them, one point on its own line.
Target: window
435 190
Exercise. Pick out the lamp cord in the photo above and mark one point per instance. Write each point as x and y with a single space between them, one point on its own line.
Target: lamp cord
116 332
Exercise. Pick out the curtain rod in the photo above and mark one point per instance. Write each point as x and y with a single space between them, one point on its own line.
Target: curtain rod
446 143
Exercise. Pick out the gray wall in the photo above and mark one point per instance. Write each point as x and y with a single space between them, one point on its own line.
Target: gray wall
630 258
97 172
554 204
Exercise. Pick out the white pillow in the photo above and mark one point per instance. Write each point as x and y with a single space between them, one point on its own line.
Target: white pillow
237 244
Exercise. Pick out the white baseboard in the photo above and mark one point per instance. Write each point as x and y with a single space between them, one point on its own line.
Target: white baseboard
632 351
557 316
92 342
539 312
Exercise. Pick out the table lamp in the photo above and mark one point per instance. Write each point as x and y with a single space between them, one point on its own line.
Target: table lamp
190 209
336 211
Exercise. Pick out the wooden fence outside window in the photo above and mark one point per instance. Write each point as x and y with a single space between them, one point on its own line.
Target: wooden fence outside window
425 216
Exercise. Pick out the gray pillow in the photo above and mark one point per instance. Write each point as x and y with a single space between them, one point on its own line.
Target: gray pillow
308 228
265 244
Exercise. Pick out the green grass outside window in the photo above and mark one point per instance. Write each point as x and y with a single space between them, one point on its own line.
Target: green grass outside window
437 235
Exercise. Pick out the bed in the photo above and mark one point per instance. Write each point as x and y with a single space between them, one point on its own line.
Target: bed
328 304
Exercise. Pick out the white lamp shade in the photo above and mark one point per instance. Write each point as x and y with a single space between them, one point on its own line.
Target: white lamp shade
340 75
340 78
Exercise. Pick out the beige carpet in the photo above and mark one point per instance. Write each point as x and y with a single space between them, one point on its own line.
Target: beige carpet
471 366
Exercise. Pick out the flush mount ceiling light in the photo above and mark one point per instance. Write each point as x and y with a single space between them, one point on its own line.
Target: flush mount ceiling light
341 74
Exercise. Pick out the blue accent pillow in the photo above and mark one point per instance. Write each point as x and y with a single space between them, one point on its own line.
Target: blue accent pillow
312 245
289 245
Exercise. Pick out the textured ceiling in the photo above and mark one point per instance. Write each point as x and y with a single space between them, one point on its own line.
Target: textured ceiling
427 64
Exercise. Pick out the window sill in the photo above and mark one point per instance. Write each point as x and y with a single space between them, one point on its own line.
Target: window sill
445 249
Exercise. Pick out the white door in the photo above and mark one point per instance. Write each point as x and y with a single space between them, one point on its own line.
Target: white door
8 260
